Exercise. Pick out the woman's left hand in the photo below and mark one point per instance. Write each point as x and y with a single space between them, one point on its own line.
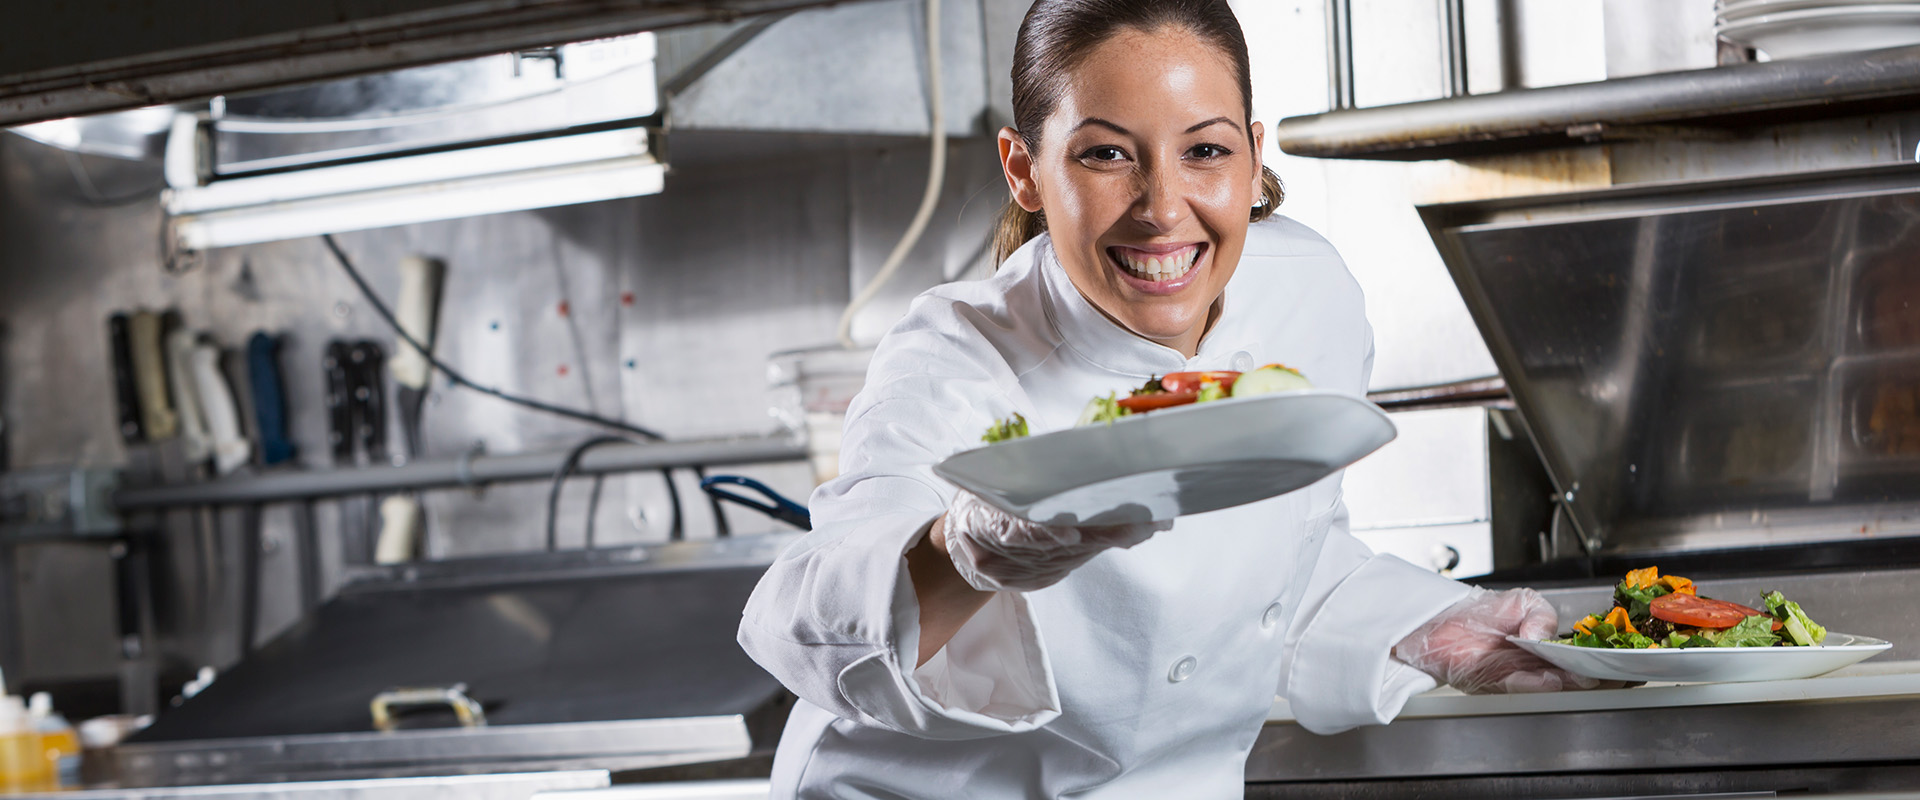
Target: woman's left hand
1466 645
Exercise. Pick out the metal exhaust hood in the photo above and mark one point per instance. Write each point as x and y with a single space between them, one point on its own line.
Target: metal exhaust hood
1710 365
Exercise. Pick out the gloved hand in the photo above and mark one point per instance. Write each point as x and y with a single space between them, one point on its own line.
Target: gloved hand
1466 645
998 552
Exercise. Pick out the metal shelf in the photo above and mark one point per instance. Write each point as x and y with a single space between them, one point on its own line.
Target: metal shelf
1719 100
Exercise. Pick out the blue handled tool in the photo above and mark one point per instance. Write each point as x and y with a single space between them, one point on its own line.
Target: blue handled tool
779 508
269 397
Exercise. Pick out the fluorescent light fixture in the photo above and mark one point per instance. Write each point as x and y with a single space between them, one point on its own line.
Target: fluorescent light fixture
557 171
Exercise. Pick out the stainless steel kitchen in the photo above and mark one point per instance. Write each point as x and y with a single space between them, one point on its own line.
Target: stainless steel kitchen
582 400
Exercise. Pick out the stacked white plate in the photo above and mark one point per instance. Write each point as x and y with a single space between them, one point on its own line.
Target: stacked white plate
1797 28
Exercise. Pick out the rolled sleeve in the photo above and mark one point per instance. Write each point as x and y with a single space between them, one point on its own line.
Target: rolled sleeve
1339 672
837 621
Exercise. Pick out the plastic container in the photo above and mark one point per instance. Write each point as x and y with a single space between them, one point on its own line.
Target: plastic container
58 740
23 763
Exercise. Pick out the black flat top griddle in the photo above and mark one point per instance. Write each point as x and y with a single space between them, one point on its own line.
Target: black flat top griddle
650 645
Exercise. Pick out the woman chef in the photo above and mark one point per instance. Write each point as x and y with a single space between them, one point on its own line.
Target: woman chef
941 648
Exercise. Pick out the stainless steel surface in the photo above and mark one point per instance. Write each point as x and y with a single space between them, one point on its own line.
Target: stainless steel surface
618 663
741 789
1709 364
871 79
1340 54
620 745
94 55
453 787
466 472
1453 47
1562 116
1830 733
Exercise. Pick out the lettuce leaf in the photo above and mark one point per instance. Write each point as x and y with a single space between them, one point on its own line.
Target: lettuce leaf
1756 631
1101 409
1014 427
1636 599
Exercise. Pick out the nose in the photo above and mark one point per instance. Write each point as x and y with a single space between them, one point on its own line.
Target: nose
1161 203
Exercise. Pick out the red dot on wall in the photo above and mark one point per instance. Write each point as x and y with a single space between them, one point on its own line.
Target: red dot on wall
565 308
563 370
626 298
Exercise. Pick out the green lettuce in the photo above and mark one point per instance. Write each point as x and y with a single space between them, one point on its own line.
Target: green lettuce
1102 409
1210 392
1754 631
1637 599
1604 636
1014 427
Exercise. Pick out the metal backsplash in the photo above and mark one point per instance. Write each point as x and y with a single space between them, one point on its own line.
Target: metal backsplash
1710 364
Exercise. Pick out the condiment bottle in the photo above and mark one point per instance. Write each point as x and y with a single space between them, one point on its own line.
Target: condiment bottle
57 739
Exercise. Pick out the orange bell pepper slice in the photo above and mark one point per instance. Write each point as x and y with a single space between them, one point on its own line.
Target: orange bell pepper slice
1679 585
1586 625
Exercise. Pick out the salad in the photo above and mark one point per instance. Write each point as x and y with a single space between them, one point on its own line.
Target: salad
1168 391
1651 611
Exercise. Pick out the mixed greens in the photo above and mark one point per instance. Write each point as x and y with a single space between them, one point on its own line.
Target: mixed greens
1651 611
1174 389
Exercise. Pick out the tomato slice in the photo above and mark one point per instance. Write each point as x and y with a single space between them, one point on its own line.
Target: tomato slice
1152 402
1700 612
1190 381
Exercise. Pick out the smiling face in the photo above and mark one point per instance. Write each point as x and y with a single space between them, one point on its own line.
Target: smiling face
1146 172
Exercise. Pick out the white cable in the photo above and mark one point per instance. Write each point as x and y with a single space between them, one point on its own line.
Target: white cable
936 176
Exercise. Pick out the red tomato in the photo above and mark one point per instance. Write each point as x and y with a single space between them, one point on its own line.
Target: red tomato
1140 403
1190 381
1700 612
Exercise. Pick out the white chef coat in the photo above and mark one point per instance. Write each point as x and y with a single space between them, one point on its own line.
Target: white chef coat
1147 672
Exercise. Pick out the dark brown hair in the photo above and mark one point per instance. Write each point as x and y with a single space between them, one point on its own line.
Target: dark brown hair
1059 34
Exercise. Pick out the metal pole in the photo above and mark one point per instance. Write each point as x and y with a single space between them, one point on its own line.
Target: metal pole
1340 54
477 470
1453 47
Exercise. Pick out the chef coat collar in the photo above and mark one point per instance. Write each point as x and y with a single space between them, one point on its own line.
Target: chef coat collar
1106 344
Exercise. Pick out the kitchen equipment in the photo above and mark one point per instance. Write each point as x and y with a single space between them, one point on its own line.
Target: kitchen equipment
144 331
126 391
418 311
1174 462
776 506
811 390
231 449
196 442
619 658
1824 30
1709 663
269 398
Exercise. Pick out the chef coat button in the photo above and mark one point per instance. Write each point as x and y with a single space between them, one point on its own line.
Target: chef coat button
1271 618
1182 669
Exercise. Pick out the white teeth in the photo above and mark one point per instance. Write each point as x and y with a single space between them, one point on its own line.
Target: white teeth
1161 268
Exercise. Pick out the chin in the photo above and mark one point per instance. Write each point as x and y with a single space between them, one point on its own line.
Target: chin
1162 326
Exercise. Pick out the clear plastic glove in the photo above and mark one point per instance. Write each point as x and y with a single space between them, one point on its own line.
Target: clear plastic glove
1466 645
998 552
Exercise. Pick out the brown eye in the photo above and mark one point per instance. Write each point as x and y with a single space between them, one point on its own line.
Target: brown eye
1105 152
1208 151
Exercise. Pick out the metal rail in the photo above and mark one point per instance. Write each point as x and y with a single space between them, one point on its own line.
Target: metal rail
1667 104
475 470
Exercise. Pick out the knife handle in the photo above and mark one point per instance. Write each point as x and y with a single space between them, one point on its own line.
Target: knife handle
339 404
269 398
186 395
126 393
230 448
417 310
150 376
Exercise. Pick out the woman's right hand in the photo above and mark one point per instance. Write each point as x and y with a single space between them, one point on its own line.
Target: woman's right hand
997 552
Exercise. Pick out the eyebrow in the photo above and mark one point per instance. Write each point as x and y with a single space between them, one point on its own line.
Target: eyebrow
1124 132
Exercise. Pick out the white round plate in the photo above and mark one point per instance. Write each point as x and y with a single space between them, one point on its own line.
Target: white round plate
1709 664
1822 31
1174 462
1741 9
